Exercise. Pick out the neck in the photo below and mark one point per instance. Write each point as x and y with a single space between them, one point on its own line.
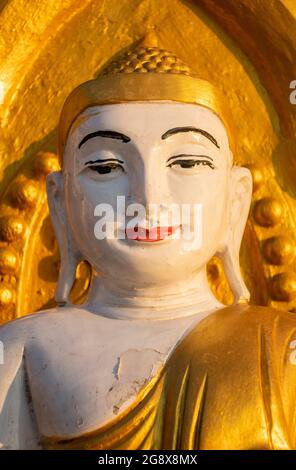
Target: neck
191 296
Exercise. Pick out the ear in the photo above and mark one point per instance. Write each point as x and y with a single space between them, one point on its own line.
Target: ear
239 206
69 254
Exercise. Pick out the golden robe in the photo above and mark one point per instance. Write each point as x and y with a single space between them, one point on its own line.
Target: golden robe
229 384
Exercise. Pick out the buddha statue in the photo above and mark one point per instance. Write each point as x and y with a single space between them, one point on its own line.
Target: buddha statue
151 360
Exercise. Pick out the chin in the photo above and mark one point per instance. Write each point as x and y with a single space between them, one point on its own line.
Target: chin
149 263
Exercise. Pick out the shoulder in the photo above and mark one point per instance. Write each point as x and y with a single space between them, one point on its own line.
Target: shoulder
270 321
244 327
252 317
50 326
235 338
18 330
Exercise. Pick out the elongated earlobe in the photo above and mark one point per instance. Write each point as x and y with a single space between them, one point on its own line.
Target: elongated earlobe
70 257
234 276
240 200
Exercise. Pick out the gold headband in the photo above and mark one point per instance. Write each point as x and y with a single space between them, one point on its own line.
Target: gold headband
142 74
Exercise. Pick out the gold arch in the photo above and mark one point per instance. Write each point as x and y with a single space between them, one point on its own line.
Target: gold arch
246 48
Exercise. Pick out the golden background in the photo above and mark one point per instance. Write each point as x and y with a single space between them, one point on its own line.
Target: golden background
247 48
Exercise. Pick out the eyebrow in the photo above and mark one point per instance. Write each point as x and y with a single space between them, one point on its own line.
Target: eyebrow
92 162
106 133
177 130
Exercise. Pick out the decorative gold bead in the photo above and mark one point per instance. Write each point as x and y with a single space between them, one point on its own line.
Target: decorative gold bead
6 296
45 163
283 287
8 261
11 228
25 194
257 175
279 250
268 212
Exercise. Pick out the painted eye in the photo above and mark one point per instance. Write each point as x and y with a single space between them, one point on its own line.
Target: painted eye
106 168
191 163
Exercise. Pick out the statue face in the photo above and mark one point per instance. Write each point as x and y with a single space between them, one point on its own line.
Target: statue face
159 153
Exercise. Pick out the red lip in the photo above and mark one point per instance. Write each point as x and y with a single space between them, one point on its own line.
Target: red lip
154 234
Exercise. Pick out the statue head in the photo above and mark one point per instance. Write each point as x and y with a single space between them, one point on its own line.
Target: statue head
148 130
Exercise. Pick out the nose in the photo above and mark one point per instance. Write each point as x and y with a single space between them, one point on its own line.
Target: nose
147 183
